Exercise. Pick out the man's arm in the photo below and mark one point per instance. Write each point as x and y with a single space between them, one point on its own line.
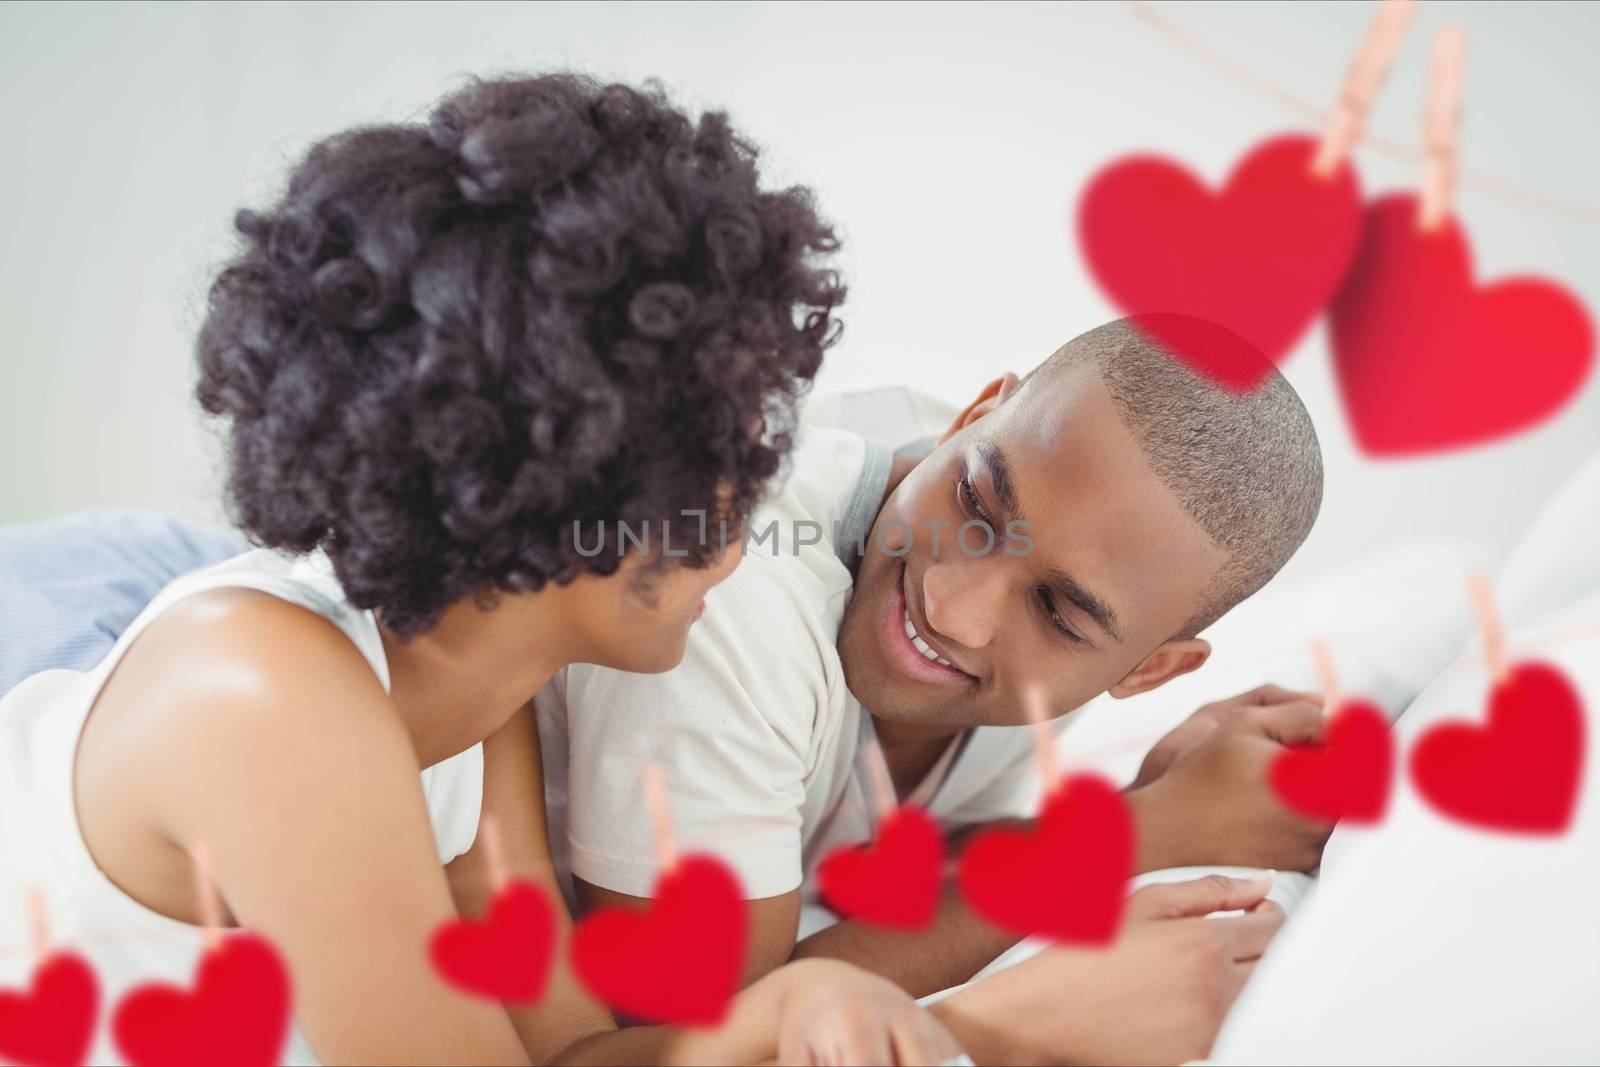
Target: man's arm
774 922
1209 803
957 945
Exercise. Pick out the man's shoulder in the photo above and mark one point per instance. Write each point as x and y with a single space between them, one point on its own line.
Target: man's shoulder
773 615
822 510
764 649
823 478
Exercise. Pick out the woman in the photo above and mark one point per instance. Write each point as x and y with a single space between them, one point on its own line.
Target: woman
555 307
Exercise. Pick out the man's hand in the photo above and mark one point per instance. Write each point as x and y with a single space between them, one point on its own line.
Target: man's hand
1212 804
1199 726
1157 995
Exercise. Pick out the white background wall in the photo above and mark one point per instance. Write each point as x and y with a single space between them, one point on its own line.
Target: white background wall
948 141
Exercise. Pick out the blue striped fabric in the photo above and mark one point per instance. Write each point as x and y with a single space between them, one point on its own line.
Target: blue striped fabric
69 586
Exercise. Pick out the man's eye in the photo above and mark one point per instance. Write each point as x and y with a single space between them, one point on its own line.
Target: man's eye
970 501
1047 605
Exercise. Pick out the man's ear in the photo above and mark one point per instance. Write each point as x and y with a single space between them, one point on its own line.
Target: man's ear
993 393
1162 666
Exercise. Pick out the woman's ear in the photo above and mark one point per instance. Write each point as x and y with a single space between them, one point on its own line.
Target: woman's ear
991 397
1168 661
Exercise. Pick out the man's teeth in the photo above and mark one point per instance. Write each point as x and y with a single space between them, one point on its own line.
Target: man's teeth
922 646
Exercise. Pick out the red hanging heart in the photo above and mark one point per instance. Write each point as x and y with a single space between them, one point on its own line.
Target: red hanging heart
507 956
237 1013
892 882
677 961
1347 776
1428 361
1519 771
1262 257
52 1024
1068 878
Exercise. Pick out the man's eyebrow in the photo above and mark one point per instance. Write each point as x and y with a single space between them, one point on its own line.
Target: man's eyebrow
1000 475
1085 601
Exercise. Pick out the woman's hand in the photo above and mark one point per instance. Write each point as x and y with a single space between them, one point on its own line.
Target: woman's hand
835 1014
1158 994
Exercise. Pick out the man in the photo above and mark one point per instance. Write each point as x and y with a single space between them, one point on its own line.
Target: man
1071 533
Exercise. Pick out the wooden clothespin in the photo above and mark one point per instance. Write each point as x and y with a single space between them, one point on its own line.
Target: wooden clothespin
1494 641
494 855
39 925
655 798
1361 85
1441 126
206 893
1044 739
1327 680
883 794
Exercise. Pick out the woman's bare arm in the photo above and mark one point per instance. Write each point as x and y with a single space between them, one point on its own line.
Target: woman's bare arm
513 797
276 749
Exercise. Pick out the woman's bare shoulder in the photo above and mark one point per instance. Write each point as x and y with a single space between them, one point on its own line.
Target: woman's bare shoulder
239 645
230 676
233 715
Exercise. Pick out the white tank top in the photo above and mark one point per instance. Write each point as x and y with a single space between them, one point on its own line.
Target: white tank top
40 843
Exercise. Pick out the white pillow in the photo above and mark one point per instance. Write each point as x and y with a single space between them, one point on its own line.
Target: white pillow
1556 561
1428 941
893 414
1392 622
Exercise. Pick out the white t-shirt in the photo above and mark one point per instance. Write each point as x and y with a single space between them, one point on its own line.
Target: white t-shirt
759 738
41 847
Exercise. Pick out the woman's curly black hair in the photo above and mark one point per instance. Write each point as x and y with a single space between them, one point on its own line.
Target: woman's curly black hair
557 302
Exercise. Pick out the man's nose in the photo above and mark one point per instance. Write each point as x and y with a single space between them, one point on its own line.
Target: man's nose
962 599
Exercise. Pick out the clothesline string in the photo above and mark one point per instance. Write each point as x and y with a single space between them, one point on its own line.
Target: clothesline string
1316 115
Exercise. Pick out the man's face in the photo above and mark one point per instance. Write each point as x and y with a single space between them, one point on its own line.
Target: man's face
1115 567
